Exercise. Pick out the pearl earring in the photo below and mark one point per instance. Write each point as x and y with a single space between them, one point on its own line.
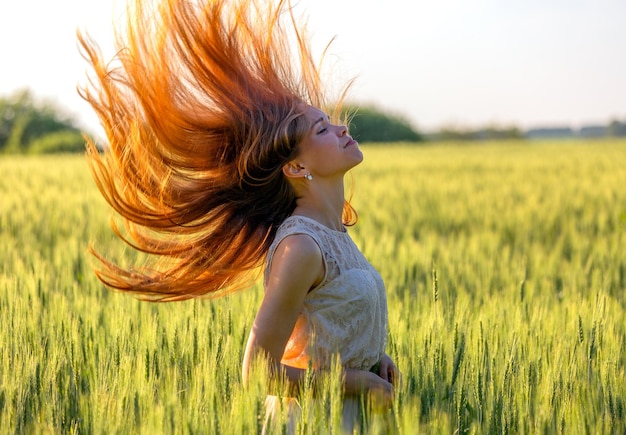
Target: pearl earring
308 177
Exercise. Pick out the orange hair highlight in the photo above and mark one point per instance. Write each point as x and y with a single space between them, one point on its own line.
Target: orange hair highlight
201 109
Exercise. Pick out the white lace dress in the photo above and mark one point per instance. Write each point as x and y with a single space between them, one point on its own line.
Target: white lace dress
345 314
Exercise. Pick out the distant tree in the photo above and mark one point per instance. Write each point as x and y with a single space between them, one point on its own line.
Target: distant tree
453 134
64 141
493 132
370 124
25 122
616 129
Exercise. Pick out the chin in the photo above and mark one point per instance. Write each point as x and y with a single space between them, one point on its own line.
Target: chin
357 162
360 158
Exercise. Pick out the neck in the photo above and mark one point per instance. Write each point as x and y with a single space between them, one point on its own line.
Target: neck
322 201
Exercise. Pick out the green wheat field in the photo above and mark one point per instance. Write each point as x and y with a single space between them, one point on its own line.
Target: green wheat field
506 273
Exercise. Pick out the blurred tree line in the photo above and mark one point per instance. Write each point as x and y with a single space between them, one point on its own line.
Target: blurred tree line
616 129
29 126
612 129
370 124
487 133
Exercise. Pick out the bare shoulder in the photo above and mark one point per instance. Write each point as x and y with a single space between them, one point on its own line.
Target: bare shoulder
300 247
297 263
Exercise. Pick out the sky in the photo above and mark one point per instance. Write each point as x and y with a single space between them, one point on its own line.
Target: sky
438 63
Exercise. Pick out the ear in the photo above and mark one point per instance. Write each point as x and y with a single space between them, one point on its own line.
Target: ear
294 170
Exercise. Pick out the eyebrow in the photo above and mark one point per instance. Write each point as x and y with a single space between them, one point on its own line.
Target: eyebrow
322 119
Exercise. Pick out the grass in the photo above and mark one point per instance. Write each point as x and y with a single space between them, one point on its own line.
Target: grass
505 271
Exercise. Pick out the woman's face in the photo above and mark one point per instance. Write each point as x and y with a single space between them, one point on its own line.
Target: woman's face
327 150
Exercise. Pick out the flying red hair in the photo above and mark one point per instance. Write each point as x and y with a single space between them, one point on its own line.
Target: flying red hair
202 107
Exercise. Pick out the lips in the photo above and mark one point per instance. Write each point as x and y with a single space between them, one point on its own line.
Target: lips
350 142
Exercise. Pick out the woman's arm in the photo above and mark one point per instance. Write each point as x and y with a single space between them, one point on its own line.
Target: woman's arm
296 267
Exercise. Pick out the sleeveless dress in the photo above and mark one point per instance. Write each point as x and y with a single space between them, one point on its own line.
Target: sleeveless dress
346 314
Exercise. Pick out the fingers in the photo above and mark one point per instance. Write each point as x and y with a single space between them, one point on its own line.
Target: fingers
384 369
387 374
388 371
395 375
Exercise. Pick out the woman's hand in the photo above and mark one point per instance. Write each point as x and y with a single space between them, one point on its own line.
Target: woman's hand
388 371
379 392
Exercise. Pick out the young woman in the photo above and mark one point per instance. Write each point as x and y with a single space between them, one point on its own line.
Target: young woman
220 160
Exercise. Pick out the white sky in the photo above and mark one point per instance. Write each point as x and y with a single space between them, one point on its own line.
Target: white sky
438 62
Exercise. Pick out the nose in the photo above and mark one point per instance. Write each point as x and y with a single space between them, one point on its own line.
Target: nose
343 130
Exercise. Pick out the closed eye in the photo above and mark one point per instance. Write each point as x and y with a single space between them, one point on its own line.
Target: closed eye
321 121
